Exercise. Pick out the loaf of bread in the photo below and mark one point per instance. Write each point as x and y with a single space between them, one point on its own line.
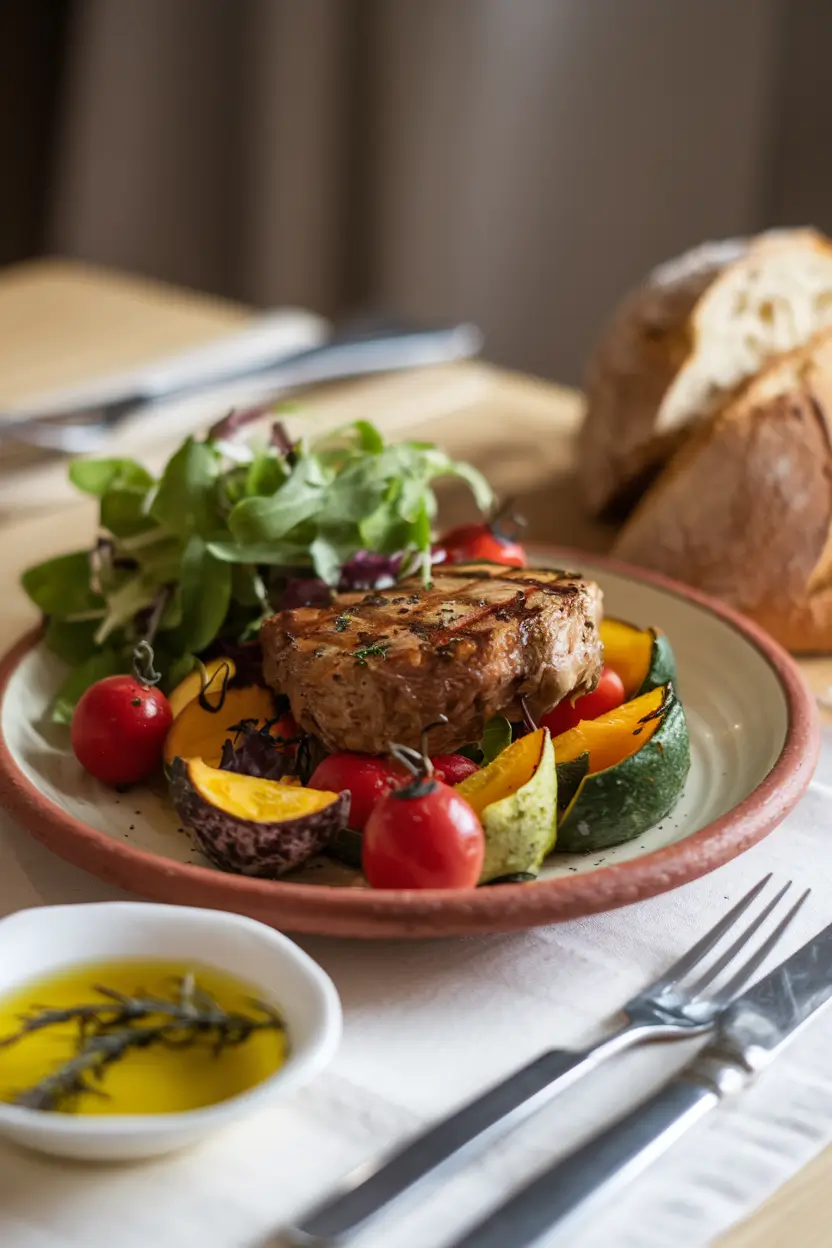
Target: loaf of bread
744 509
682 343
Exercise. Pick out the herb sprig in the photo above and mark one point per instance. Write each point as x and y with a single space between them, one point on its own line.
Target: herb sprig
204 553
110 1028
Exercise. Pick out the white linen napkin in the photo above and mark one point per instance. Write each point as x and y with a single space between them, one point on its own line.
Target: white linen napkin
430 1024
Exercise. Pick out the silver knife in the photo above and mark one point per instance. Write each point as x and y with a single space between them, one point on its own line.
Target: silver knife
354 353
753 1030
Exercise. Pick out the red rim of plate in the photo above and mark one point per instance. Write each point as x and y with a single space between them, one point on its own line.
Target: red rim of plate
365 912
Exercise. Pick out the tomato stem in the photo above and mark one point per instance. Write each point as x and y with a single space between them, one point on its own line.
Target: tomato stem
528 719
437 723
418 764
143 668
206 682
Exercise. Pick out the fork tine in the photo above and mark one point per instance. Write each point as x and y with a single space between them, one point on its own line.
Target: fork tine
704 946
739 944
748 968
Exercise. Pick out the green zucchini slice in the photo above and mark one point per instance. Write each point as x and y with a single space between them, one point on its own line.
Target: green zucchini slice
619 800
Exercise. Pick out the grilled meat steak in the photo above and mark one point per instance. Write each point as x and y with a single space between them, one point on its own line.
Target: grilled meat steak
378 668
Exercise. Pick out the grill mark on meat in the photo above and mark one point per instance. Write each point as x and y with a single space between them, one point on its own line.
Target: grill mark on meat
438 633
463 647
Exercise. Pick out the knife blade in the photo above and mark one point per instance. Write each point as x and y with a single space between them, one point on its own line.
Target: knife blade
83 428
753 1030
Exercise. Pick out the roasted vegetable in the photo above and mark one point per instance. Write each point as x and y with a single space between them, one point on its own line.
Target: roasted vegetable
622 772
252 826
209 680
642 657
515 796
202 728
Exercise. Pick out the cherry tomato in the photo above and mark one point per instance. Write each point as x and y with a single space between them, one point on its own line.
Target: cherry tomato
286 730
608 694
453 768
119 728
471 543
423 836
367 777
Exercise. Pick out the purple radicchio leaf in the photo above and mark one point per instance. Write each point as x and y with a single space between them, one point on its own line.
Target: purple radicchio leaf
281 441
247 656
368 570
255 752
305 592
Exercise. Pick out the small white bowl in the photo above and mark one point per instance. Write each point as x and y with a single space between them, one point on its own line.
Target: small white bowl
35 943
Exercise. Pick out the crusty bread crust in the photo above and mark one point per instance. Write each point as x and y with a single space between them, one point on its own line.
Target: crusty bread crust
686 340
744 509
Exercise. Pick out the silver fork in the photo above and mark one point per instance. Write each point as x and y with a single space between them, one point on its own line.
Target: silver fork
671 1008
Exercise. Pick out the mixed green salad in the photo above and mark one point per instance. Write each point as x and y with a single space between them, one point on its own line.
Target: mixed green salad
228 533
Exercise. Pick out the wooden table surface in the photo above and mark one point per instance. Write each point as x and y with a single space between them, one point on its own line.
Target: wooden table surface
61 323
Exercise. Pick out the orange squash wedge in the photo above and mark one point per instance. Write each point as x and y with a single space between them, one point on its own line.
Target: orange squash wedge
252 826
200 731
642 657
210 682
515 797
621 773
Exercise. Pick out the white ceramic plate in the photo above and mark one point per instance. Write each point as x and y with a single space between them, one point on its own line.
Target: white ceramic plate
754 740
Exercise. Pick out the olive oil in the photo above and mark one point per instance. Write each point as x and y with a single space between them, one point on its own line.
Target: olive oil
156 1079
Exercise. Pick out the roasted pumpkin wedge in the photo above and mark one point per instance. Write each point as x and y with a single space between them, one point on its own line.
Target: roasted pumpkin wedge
621 772
613 736
642 657
515 797
201 729
252 826
210 681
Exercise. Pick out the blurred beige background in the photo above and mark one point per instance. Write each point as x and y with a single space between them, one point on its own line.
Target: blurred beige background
515 162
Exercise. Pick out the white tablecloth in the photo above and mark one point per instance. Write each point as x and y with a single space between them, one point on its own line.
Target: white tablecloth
427 1026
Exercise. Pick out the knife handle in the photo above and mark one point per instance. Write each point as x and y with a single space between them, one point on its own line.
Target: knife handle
600 1166
369 1190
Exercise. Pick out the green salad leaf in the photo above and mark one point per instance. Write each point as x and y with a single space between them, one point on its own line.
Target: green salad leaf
496 737
198 557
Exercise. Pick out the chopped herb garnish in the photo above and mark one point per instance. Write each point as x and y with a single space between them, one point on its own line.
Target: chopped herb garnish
366 652
342 622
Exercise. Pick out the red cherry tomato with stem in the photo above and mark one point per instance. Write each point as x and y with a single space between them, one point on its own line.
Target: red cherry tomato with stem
367 777
119 726
423 835
608 694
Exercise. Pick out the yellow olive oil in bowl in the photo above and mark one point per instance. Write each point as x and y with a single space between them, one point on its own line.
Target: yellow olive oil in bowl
135 1037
